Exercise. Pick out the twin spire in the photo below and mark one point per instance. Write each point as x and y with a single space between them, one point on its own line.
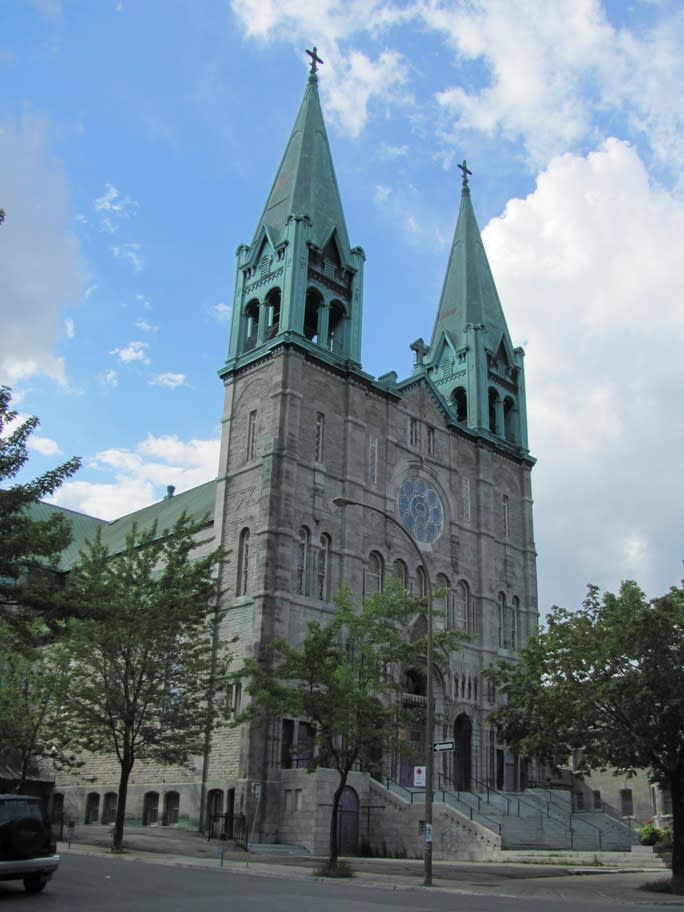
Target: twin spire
300 280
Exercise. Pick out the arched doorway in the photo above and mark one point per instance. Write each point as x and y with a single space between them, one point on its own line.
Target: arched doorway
348 822
463 736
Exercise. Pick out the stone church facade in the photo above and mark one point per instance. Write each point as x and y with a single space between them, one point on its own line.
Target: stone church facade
443 453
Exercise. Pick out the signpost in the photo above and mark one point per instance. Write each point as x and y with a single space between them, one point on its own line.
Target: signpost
443 746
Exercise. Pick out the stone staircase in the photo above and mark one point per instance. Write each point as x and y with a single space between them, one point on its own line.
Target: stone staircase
535 821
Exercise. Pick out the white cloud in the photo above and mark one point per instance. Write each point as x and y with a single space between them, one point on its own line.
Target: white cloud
171 381
221 312
39 260
140 475
134 351
589 270
115 204
381 194
44 445
131 253
146 327
110 378
69 328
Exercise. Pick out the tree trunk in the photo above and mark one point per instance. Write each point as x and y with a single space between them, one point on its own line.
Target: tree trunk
334 817
677 793
117 837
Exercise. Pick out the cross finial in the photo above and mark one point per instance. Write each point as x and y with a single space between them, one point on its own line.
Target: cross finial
315 60
464 169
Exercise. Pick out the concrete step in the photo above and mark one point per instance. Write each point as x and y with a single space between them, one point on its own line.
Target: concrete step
640 858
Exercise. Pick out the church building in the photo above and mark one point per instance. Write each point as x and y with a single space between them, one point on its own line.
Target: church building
432 476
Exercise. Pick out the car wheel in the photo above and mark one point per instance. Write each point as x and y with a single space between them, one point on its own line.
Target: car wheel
25 837
34 883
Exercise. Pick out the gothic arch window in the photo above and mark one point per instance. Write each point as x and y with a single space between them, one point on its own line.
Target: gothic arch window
336 321
442 599
516 638
461 404
302 562
243 563
400 573
501 619
509 419
314 302
323 569
421 588
493 404
251 323
419 628
461 607
273 299
374 573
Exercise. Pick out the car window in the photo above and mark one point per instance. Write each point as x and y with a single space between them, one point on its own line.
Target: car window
13 810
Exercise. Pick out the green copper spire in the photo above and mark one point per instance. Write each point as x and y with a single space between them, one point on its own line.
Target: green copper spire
299 279
471 359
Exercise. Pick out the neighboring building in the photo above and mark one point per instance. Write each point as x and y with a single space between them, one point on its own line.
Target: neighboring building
443 451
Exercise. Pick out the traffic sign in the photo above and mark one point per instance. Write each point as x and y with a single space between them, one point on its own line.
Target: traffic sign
443 746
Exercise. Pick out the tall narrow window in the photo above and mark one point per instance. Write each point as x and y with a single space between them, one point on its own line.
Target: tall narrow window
320 431
626 803
302 566
506 516
516 638
373 461
459 620
421 587
243 563
502 620
374 573
322 569
414 432
442 600
251 436
430 441
466 499
400 573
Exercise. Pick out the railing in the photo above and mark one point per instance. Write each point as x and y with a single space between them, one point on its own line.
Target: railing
228 826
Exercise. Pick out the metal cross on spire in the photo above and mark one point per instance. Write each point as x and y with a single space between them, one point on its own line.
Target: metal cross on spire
315 59
464 169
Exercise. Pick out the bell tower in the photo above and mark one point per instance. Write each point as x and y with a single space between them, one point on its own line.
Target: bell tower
299 280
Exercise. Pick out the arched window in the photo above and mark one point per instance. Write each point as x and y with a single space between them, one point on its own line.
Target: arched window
460 607
336 328
323 569
252 323
243 563
493 403
302 562
374 573
509 419
92 807
441 601
109 807
314 300
400 573
516 637
171 808
421 587
502 620
461 404
150 808
273 301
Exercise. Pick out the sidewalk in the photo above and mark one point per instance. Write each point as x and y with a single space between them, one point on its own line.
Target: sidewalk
173 846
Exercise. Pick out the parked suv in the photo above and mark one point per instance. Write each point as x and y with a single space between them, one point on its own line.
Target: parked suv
27 846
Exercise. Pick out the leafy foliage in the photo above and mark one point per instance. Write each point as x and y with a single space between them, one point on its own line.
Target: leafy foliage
345 681
606 684
29 548
140 654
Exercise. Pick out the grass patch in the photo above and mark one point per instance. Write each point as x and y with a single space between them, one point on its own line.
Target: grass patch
341 869
673 885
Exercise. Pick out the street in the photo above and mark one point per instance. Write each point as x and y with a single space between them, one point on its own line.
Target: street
100 884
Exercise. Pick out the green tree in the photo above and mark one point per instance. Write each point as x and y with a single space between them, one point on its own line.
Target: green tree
29 548
605 683
140 655
345 681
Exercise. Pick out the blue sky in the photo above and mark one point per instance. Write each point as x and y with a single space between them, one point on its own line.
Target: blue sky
138 142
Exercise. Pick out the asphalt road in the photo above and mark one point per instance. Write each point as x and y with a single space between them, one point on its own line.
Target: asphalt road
88 883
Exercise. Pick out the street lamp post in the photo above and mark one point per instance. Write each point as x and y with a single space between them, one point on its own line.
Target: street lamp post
429 710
